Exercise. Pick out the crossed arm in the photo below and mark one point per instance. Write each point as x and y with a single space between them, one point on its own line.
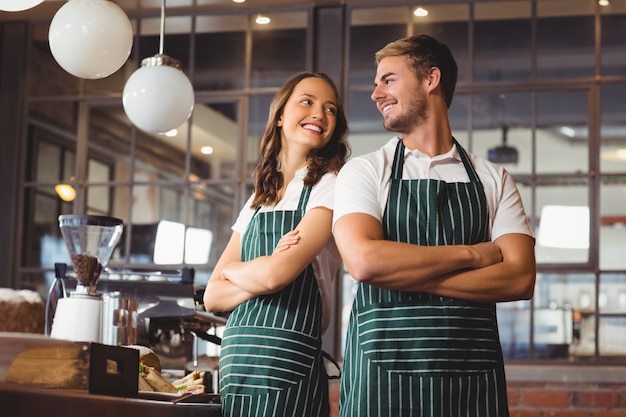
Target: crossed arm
504 270
234 282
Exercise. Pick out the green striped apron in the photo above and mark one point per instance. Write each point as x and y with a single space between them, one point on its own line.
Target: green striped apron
417 354
271 352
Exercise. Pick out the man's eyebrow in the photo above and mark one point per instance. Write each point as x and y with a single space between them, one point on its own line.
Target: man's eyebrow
384 77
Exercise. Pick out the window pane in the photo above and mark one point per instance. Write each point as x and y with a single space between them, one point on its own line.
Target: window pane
613 24
565 39
259 110
514 329
563 231
271 65
214 140
613 131
370 30
562 135
220 52
449 24
574 296
98 200
502 37
501 129
110 144
612 336
48 166
613 223
366 125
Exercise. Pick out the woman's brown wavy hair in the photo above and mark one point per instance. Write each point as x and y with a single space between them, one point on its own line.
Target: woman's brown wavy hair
267 179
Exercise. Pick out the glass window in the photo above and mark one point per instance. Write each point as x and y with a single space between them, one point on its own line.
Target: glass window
613 223
259 111
366 124
271 64
502 133
220 52
613 130
449 24
565 39
215 137
613 24
370 30
564 222
502 41
562 132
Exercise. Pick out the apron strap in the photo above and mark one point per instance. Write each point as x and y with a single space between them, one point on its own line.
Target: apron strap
304 198
398 162
471 172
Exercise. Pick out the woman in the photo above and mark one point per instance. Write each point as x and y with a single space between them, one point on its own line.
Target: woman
276 270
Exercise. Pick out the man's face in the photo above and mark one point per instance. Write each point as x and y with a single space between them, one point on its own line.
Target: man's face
398 95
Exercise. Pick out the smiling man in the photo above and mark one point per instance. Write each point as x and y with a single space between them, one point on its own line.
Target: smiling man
435 236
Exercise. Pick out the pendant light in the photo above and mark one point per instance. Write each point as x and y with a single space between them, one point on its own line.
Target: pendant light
90 38
158 97
18 5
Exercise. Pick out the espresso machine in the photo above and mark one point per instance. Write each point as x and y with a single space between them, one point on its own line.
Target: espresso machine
90 241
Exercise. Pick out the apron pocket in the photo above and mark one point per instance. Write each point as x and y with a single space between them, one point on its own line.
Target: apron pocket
254 360
434 338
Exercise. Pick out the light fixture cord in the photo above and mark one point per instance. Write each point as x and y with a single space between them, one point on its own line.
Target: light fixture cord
162 27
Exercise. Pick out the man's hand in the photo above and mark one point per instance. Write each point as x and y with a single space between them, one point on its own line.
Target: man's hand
485 254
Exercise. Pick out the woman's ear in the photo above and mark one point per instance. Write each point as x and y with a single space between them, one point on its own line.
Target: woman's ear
279 122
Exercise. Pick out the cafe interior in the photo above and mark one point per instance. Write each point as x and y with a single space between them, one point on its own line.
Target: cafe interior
540 91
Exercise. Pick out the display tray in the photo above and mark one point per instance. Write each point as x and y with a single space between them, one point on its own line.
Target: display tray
51 363
180 398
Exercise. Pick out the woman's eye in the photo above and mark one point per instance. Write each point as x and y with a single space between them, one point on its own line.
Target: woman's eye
306 101
331 110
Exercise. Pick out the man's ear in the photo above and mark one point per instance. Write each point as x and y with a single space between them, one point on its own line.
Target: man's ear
434 77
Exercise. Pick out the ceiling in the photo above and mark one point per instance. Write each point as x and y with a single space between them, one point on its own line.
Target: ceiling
48 8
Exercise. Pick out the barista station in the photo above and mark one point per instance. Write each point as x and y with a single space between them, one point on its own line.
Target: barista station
98 316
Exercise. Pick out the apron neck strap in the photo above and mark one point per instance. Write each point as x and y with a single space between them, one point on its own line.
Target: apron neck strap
398 161
304 198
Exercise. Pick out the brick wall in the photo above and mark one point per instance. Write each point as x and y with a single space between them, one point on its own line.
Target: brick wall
560 395
563 399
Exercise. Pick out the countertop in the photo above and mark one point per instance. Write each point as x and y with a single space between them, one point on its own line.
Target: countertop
30 401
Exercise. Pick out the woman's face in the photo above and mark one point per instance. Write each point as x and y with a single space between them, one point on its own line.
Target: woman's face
310 115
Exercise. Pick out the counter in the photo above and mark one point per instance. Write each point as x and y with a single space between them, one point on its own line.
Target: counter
29 401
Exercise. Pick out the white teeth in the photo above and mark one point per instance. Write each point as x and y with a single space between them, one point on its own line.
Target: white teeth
313 127
387 107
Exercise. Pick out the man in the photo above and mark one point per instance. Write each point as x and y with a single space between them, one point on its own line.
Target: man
435 237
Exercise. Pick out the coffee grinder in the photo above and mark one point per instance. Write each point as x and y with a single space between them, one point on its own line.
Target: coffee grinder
90 241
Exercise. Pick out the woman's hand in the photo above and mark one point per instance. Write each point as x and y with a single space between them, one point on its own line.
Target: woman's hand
288 240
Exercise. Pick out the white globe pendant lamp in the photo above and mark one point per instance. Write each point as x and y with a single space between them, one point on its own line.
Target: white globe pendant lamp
90 39
158 97
18 5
